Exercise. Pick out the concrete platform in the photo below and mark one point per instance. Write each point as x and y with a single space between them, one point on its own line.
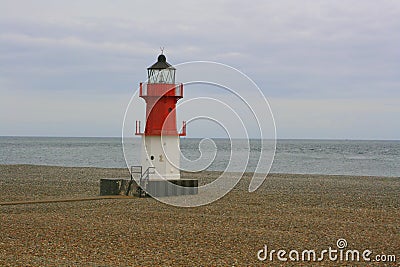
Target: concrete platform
178 187
156 188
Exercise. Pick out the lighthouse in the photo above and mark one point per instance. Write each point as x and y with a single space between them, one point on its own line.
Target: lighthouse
159 172
160 138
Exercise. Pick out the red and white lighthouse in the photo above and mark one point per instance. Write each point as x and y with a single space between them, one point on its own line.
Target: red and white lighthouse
160 139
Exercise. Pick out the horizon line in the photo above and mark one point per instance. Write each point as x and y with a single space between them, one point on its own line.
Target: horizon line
194 137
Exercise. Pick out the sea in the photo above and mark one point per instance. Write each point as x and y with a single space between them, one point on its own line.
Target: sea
341 157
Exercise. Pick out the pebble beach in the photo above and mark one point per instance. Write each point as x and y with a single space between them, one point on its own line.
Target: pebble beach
288 212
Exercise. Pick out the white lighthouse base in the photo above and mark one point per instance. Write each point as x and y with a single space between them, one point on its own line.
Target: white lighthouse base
162 153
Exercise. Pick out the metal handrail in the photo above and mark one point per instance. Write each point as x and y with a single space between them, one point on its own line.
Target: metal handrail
144 179
136 166
145 176
131 181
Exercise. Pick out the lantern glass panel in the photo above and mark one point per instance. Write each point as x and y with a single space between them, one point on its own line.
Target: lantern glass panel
161 76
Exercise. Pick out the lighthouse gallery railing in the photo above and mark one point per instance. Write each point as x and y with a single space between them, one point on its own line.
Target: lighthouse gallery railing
161 89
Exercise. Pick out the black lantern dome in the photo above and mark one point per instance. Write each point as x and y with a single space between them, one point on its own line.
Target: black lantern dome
161 71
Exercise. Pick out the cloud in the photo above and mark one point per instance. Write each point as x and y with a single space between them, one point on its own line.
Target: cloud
294 50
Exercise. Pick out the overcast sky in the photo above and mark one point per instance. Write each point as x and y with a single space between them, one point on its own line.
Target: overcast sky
330 69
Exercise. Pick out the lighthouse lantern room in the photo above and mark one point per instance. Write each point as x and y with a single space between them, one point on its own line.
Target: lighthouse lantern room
160 139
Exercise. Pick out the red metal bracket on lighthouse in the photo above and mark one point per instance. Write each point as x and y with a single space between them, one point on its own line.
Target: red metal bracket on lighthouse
183 133
137 132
